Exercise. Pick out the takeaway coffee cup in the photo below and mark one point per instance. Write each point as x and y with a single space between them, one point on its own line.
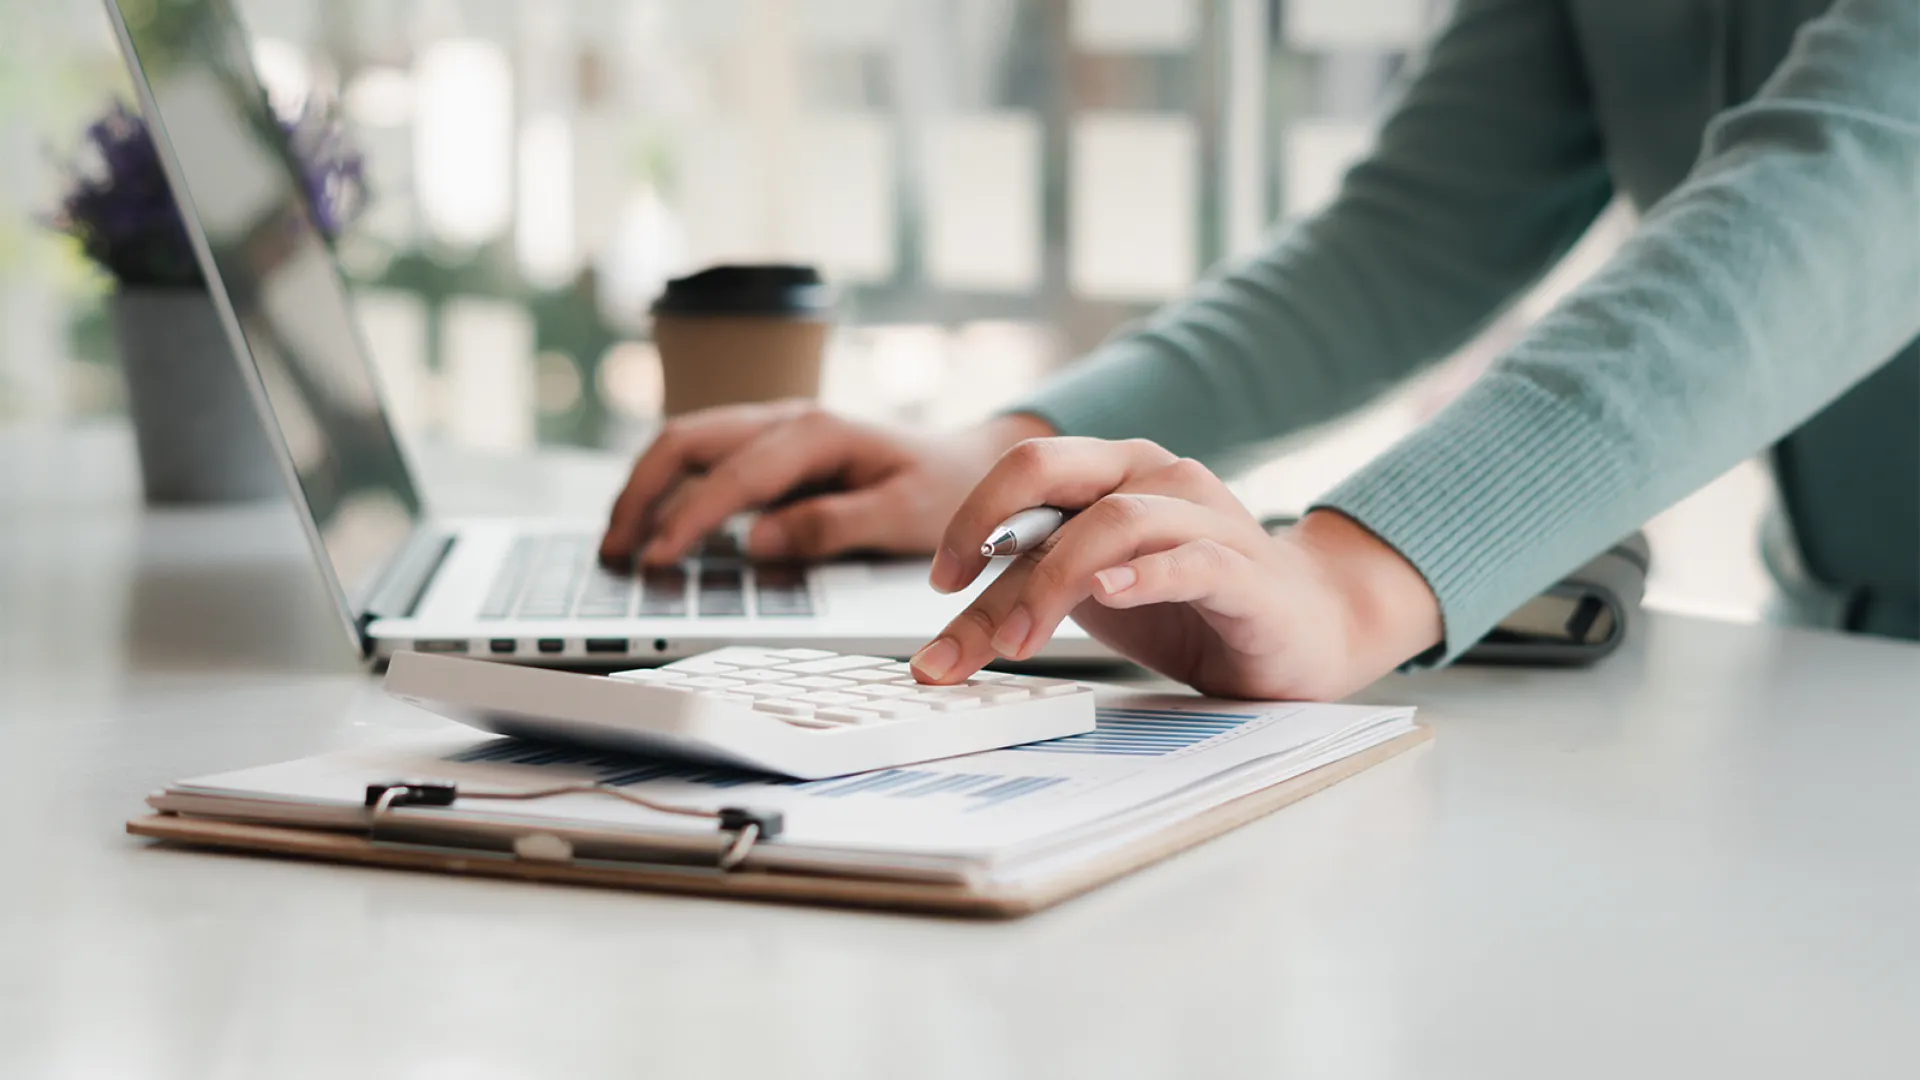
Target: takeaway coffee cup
732 334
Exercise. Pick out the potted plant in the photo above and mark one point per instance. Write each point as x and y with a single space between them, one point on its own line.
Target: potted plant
199 436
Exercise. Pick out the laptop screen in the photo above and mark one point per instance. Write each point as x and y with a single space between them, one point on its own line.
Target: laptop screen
278 276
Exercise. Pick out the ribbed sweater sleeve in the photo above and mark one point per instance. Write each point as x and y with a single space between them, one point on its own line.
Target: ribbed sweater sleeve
1785 269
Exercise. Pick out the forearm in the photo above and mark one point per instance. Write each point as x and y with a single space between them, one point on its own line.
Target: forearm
1780 274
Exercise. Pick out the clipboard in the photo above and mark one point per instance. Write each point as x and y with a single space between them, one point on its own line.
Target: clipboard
991 901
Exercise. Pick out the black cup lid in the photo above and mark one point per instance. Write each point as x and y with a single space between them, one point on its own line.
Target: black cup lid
765 289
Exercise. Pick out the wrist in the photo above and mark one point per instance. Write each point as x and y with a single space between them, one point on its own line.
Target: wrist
1393 613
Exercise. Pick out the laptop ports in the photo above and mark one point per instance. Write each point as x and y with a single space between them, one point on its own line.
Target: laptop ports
503 646
604 645
552 645
439 645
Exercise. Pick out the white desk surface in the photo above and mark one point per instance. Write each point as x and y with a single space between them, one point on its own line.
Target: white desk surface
1700 860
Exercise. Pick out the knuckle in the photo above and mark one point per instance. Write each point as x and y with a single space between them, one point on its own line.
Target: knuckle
975 622
1205 558
1029 457
1118 512
810 417
1148 450
1048 577
1186 472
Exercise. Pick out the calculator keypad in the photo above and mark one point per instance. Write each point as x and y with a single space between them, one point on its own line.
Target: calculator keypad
816 689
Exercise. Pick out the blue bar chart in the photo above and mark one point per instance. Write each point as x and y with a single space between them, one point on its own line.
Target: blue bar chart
1144 732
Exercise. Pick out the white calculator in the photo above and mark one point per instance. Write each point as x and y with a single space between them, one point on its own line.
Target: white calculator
803 713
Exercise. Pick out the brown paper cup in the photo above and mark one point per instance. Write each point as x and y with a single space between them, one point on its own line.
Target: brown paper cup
709 360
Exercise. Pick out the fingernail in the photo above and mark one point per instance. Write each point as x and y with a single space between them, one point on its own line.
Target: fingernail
946 568
937 659
1117 580
1012 633
768 539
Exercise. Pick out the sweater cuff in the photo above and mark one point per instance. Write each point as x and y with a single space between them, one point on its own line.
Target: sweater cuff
1489 500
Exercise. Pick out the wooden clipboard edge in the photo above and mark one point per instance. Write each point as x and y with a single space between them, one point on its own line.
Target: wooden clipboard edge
922 897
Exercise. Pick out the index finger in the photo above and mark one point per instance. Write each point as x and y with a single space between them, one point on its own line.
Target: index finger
1066 472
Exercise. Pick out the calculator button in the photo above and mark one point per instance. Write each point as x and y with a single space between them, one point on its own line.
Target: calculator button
711 682
989 677
811 722
639 675
882 691
721 697
829 664
800 654
702 665
1045 688
849 716
821 682
765 689
1001 695
784 708
748 658
947 702
829 697
869 675
899 710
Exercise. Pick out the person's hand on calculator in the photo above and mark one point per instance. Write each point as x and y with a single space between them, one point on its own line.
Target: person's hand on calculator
875 488
1165 565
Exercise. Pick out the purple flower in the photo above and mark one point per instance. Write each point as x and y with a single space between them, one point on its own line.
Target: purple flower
119 208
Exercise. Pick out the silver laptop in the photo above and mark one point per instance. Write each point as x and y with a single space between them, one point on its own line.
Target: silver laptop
524 590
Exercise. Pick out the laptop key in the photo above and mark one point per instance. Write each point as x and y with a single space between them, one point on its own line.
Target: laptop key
606 596
663 592
780 591
507 581
722 592
550 593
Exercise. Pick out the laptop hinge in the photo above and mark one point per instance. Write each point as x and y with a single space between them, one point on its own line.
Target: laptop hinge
405 583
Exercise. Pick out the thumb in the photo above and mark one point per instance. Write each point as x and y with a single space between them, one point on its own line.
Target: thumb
828 525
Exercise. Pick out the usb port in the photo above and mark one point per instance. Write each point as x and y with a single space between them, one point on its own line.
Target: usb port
553 645
607 645
503 646
442 645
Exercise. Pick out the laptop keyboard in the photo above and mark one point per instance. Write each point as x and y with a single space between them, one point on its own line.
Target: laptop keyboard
559 577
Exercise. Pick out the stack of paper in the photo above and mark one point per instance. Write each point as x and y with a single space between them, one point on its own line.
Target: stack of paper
997 818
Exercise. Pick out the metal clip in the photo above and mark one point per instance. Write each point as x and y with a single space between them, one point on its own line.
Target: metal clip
746 825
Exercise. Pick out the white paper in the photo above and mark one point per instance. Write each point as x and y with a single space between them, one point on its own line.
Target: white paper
1152 760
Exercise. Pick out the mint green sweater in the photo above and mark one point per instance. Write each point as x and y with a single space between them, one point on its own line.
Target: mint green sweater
1769 299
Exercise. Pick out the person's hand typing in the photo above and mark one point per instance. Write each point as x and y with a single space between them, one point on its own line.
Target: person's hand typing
890 491
1166 566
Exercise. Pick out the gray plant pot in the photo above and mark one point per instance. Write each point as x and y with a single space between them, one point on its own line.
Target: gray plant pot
200 439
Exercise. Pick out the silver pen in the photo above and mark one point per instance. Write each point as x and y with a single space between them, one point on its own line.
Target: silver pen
1024 531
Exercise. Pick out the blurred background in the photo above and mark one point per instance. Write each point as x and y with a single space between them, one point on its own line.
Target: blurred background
995 186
